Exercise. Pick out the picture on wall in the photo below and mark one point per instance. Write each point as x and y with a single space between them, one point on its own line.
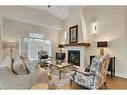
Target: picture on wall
73 34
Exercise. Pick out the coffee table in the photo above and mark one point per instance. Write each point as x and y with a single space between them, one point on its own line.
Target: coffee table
60 67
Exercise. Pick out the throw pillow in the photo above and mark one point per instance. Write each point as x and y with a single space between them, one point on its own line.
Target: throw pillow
33 67
14 57
87 69
26 62
19 67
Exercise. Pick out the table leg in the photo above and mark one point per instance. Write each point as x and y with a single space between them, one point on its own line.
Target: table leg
60 72
51 68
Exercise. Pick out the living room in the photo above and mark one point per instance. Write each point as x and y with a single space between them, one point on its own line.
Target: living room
52 27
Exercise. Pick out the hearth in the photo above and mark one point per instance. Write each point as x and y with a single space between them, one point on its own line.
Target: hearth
74 57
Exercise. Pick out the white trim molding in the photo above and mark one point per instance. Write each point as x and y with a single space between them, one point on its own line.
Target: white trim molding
119 74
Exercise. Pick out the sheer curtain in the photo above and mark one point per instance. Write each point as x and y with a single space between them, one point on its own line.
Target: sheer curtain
32 44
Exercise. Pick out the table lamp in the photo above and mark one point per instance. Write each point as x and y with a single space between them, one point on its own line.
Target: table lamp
102 45
61 47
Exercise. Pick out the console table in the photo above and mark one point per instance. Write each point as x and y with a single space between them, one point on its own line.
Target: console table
111 67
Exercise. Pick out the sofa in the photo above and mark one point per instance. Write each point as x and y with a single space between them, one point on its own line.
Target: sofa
10 80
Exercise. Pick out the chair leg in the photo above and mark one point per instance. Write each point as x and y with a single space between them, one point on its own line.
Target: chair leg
105 86
71 82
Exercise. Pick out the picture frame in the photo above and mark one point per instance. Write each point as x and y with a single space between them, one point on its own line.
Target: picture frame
73 34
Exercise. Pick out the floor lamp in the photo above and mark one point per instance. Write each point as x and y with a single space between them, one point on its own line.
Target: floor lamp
11 45
102 45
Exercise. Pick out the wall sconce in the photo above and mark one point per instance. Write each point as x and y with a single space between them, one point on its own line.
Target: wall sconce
65 35
94 27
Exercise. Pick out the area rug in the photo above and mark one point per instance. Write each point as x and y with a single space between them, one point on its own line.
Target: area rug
65 77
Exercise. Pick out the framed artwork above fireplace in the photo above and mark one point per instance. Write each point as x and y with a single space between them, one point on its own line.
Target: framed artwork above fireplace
73 34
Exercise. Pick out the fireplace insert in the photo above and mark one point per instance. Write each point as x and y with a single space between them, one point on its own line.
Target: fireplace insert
74 57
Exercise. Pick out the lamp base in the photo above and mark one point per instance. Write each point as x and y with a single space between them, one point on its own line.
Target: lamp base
11 52
61 50
101 51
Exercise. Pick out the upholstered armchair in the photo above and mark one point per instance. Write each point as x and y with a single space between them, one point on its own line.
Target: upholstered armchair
9 80
43 57
95 76
43 54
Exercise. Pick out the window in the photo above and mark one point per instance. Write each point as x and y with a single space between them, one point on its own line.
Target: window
33 44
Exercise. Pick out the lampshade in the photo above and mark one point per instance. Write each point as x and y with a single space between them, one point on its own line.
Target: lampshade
102 44
10 45
61 46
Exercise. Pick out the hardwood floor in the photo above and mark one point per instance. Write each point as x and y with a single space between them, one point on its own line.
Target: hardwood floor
116 83
112 83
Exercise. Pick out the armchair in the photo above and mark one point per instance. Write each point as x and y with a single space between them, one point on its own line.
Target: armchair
9 80
43 58
96 77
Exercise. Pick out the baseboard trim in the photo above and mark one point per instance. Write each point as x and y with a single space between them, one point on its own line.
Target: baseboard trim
119 75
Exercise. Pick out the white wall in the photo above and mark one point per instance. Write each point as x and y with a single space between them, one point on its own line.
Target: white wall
1 38
32 20
111 26
1 32
14 29
33 16
72 20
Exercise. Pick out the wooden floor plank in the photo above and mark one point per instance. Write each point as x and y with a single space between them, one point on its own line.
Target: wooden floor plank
112 84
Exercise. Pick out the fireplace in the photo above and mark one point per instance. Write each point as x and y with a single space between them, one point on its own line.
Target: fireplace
82 54
74 57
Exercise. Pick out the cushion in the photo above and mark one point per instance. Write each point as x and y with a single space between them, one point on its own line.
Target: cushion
87 69
44 57
6 62
19 67
96 63
15 57
30 66
25 59
42 54
33 67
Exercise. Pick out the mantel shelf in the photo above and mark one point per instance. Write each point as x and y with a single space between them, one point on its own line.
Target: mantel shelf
77 44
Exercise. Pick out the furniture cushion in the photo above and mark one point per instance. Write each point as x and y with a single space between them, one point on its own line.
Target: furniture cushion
19 67
87 69
6 62
42 54
15 57
33 67
96 64
26 62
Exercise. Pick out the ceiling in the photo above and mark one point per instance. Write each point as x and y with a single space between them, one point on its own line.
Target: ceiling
60 12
